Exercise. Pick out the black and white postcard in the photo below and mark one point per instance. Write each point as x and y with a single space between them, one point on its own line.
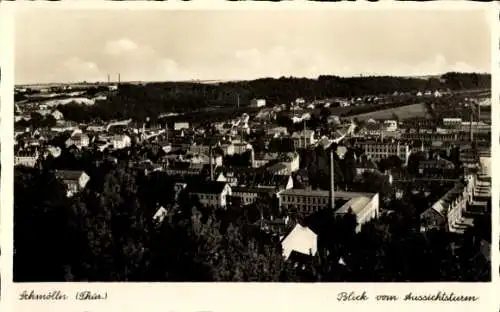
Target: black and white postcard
259 146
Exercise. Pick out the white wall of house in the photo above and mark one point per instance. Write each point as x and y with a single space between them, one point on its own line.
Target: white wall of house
215 200
28 161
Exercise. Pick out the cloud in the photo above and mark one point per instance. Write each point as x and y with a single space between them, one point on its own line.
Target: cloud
437 65
78 69
279 61
139 62
466 68
440 65
120 46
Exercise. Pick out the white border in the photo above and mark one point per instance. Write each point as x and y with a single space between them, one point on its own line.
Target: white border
495 145
6 139
193 297
445 5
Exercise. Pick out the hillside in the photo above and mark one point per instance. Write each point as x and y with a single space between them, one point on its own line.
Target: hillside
152 99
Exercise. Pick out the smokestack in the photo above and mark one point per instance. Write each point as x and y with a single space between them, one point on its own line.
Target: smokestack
332 184
108 80
478 115
471 131
210 164
252 157
118 78
305 135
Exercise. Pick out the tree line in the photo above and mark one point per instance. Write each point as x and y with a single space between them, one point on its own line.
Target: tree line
153 99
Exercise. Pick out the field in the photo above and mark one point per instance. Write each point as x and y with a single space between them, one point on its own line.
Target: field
403 112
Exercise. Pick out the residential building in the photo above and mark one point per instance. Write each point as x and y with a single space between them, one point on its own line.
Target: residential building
54 151
291 161
278 169
78 139
120 141
27 158
262 159
447 213
181 125
249 177
301 240
96 128
454 137
391 125
277 131
333 119
452 122
303 139
300 101
75 181
160 215
477 127
438 168
249 195
204 159
437 163
227 148
64 125
185 169
324 142
258 103
204 145
242 147
57 114
211 193
364 164
485 161
229 176
378 150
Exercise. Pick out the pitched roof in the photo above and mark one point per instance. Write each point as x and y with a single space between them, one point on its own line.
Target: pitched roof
261 178
79 137
266 156
69 174
338 194
206 187
356 204
444 203
437 163
302 240
276 167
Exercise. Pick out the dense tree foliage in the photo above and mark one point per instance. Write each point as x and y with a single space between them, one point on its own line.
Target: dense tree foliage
37 121
41 213
107 232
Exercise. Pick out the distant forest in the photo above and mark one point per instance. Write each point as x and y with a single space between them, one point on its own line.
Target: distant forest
153 99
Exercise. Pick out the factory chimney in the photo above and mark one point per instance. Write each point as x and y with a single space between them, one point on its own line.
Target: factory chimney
305 135
471 129
210 163
478 116
332 184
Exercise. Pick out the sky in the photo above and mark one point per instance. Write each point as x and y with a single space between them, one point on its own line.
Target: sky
68 45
